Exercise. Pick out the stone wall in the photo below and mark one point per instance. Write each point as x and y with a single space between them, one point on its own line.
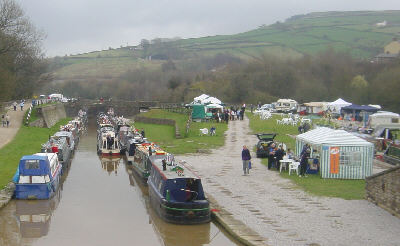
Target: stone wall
51 114
383 189
159 122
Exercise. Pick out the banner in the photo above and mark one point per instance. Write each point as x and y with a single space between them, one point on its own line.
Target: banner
334 160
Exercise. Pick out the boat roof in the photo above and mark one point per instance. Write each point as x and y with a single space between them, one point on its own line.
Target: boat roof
171 172
63 134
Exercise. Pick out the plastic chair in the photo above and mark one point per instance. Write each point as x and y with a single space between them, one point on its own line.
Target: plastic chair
203 131
294 166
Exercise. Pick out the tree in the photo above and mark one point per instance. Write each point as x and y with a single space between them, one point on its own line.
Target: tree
20 51
359 88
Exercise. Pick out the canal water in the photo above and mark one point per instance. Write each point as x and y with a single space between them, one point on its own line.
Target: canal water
100 202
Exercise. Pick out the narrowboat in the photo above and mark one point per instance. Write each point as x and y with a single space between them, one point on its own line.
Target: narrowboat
69 137
176 193
107 142
38 176
143 154
58 145
125 133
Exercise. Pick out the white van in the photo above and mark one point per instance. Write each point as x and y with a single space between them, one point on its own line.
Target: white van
286 105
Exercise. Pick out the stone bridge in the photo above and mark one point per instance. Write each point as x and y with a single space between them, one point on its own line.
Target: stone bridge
93 107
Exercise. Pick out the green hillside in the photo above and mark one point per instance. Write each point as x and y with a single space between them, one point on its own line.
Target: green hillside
353 32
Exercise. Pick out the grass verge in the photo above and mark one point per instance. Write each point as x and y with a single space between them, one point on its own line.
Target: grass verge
313 184
27 141
165 136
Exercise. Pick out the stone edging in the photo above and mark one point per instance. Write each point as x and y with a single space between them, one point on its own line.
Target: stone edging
6 194
236 228
159 121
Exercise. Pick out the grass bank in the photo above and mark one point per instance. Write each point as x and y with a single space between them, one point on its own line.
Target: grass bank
191 143
269 126
27 141
314 184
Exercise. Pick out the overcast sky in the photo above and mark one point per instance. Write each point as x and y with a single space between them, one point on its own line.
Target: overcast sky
76 26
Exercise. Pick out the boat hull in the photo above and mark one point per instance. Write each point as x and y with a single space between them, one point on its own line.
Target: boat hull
187 213
37 191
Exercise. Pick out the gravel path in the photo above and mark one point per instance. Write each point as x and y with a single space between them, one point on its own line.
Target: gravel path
7 134
278 211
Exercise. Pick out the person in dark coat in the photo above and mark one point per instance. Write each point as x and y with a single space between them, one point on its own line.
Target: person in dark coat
304 161
271 156
246 157
279 153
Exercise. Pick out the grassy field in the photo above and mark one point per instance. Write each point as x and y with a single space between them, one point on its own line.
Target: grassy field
192 143
269 126
351 32
27 141
314 184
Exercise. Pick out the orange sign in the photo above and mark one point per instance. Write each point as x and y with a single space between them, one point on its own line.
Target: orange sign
334 159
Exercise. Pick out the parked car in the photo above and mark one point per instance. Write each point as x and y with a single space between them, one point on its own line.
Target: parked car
265 140
392 154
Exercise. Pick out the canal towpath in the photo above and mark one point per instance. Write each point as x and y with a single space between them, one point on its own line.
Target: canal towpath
273 211
6 135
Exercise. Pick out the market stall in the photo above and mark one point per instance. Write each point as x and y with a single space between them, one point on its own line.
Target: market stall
337 105
341 155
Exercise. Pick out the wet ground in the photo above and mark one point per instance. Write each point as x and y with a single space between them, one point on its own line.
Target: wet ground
101 202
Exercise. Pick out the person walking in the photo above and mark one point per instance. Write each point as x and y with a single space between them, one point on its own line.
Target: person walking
246 159
15 106
7 120
22 105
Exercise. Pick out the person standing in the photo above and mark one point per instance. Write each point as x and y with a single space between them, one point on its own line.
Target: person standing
143 133
279 153
303 162
3 120
7 120
15 106
22 105
271 155
245 159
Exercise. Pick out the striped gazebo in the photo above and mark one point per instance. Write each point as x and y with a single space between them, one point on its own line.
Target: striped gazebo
342 155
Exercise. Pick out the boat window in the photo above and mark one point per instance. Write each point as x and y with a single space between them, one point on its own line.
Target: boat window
395 120
104 144
32 164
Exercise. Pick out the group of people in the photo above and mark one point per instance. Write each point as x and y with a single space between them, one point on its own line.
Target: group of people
233 113
5 120
276 154
21 104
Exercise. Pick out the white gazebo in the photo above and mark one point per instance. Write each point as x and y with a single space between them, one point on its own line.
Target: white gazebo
342 155
337 105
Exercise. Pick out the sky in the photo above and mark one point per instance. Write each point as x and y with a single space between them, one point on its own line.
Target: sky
77 26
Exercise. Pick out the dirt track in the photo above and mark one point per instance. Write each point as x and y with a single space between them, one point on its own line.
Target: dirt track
7 134
277 210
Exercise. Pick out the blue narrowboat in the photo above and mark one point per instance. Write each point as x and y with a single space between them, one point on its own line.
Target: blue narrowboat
38 176
176 193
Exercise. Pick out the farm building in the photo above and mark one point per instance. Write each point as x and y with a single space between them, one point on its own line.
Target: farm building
341 154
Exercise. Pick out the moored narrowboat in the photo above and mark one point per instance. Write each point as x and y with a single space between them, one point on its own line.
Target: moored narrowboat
107 142
143 155
60 146
69 137
38 176
176 194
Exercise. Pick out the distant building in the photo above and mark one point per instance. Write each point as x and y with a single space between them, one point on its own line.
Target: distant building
381 24
393 47
383 57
